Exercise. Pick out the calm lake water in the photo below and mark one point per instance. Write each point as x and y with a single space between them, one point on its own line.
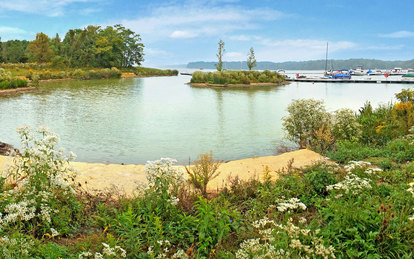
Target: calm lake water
141 119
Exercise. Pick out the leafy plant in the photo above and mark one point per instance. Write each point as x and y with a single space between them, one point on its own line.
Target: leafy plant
203 171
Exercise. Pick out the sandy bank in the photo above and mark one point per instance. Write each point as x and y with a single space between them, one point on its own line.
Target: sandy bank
127 177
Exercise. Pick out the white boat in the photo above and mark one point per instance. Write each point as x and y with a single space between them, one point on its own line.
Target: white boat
397 71
358 71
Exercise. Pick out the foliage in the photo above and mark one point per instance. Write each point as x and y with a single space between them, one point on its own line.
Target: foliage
38 198
203 171
251 59
144 71
345 125
7 81
237 77
93 46
39 49
304 119
220 53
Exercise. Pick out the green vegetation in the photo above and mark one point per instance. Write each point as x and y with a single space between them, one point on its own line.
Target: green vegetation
220 53
7 81
351 209
251 59
237 77
93 46
144 71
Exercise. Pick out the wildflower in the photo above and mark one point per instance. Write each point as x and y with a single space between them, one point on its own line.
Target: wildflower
291 204
54 232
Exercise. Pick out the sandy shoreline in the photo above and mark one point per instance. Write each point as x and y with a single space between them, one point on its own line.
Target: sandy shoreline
126 178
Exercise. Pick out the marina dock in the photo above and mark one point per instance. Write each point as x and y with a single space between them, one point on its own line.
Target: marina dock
330 80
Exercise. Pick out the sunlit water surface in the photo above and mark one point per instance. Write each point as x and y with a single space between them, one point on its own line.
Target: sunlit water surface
141 119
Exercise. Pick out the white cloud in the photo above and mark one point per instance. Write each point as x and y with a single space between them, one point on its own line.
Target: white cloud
398 34
44 7
12 33
183 34
190 19
299 49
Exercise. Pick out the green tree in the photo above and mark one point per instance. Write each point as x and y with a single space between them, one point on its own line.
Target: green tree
219 55
39 49
132 49
251 59
14 51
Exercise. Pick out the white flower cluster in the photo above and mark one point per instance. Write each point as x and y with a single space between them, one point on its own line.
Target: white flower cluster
352 184
173 201
160 250
290 204
9 247
15 212
37 178
353 165
163 169
108 251
267 246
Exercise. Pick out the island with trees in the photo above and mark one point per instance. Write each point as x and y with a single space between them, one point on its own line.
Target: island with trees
236 78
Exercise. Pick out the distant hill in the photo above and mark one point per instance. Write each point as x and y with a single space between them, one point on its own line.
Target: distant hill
310 65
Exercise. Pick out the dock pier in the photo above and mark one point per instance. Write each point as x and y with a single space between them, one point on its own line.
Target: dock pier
329 80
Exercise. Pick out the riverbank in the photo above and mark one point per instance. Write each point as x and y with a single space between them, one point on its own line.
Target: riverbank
96 177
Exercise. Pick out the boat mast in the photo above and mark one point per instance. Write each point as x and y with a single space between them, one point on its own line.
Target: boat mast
326 60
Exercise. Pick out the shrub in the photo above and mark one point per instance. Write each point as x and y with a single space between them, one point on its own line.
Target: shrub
306 116
203 171
345 125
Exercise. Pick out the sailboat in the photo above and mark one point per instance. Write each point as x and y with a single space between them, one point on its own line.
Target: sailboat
330 72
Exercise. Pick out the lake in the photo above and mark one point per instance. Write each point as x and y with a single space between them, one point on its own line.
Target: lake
141 119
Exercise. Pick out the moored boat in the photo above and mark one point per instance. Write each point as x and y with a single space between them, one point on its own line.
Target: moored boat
359 71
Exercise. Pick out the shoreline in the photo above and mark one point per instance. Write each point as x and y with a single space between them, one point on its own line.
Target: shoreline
17 90
97 177
208 85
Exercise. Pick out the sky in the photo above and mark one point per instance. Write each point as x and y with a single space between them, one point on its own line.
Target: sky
178 32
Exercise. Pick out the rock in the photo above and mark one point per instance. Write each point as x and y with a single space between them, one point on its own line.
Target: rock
6 149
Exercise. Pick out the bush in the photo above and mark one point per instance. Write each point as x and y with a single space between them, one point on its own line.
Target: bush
237 77
306 117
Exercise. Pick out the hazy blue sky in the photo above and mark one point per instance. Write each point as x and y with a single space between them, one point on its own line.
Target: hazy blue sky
176 32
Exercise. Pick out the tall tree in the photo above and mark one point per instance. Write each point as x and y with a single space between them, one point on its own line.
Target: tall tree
219 55
133 49
251 59
39 49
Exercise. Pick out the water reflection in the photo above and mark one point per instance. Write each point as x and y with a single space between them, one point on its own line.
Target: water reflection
135 120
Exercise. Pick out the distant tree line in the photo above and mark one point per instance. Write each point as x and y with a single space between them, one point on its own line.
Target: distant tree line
309 65
93 46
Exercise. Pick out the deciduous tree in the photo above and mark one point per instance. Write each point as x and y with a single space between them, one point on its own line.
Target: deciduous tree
39 49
